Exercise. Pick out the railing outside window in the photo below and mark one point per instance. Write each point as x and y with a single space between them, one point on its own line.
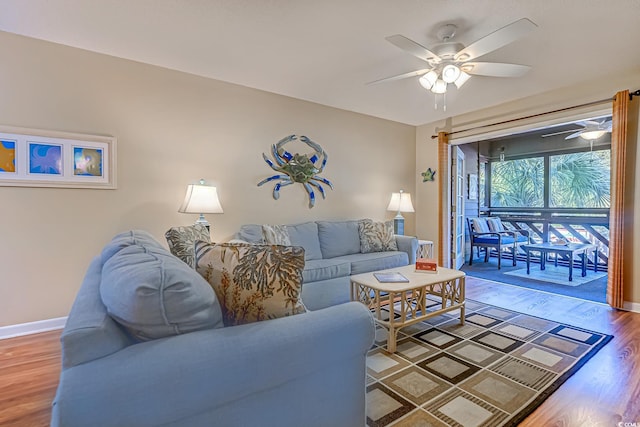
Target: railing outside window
572 225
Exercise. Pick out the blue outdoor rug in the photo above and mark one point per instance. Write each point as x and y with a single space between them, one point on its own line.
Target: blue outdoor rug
558 275
592 287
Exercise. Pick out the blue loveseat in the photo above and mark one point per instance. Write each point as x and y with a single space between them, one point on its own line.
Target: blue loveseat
332 254
302 370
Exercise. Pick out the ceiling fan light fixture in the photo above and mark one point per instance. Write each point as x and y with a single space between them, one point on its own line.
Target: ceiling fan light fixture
440 86
450 73
462 79
593 134
428 80
448 62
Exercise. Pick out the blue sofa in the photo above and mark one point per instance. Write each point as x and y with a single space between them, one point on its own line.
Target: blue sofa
302 370
332 255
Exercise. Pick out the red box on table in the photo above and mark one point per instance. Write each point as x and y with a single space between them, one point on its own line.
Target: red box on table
428 265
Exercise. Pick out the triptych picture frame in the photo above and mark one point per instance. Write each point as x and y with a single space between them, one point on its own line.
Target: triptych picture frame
39 158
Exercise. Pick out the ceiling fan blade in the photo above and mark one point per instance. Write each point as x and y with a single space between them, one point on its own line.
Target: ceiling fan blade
605 125
559 133
587 123
401 76
413 48
575 135
494 69
496 40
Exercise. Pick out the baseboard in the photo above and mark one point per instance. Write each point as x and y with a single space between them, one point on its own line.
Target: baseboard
32 327
632 306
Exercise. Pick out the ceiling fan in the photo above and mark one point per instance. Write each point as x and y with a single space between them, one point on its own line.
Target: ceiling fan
591 129
451 63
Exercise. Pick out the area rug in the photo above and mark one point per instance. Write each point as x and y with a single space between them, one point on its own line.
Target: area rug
558 275
493 371
594 290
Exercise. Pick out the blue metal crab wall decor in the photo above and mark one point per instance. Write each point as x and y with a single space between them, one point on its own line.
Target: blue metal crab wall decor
297 168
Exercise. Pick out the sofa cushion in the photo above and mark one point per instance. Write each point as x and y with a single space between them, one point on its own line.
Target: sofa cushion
128 238
154 295
306 235
376 236
479 225
506 240
253 282
495 224
364 263
182 241
325 269
251 233
338 238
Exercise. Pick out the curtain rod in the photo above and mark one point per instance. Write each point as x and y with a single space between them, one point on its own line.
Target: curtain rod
588 104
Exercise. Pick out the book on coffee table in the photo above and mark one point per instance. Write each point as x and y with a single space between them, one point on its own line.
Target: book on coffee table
390 277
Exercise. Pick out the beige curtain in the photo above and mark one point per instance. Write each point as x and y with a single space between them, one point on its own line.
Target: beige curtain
615 296
443 202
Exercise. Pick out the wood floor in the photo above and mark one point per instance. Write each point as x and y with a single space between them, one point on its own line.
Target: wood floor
605 392
29 371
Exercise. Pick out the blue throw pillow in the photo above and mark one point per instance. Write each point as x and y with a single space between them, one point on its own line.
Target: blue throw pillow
153 294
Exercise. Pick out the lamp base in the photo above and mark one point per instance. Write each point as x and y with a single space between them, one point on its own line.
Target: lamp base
398 224
202 221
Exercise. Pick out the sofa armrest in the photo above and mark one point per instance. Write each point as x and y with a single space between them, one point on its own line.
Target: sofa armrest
164 380
90 333
408 244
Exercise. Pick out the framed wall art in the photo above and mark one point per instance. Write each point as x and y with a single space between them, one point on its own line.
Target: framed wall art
472 186
40 158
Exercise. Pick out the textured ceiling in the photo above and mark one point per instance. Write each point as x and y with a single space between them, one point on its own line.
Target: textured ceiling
325 51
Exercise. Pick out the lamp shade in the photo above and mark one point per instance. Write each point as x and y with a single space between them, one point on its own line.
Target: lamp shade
428 80
440 86
400 202
462 79
450 73
201 199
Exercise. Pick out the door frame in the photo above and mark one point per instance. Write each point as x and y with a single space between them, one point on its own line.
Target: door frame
444 162
457 207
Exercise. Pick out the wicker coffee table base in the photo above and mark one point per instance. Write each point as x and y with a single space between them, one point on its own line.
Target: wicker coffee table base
409 306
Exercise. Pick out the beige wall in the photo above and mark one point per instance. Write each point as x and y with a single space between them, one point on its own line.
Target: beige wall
427 152
172 129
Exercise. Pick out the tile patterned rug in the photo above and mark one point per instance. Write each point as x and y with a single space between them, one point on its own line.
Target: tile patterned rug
493 371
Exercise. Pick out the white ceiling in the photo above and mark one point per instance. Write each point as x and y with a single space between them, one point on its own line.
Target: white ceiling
325 51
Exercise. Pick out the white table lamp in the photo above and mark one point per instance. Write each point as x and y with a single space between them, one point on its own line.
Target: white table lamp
400 202
201 199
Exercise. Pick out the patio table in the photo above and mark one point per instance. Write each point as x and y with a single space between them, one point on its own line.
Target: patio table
569 250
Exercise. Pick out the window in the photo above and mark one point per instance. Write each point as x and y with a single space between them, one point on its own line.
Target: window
580 180
517 183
